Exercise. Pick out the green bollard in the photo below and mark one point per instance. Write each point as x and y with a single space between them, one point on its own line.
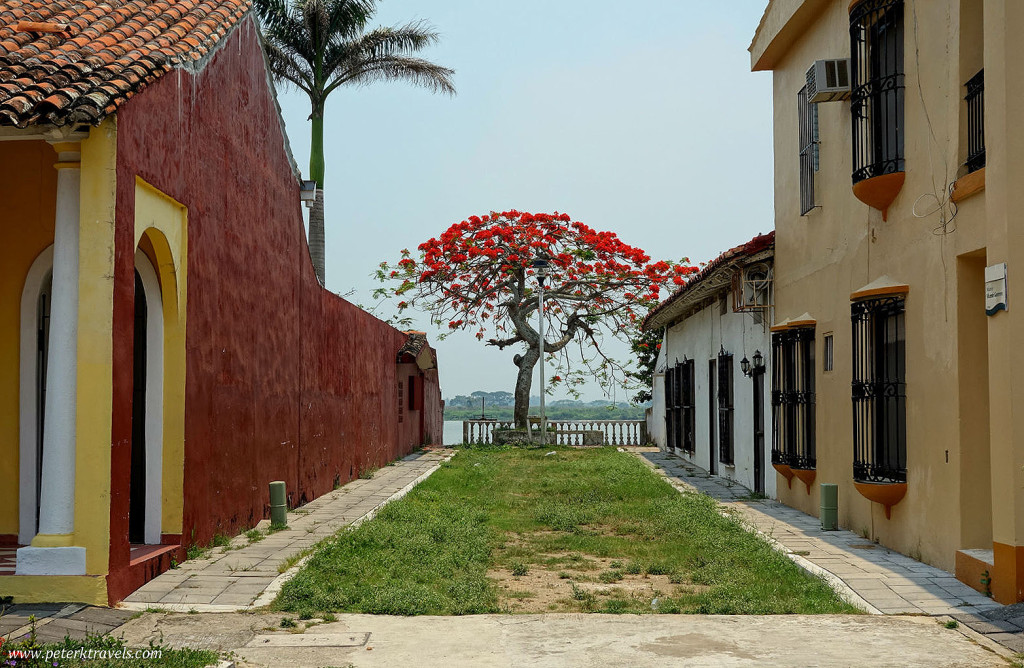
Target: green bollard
278 505
829 507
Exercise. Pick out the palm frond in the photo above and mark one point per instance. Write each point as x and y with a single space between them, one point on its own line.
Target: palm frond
286 68
397 40
348 17
417 71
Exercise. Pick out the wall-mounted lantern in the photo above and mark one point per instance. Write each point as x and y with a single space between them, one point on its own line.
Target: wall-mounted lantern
750 369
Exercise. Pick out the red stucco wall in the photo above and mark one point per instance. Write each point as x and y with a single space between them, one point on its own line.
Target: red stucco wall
284 380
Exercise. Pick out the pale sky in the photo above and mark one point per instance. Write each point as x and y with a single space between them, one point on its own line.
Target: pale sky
642 118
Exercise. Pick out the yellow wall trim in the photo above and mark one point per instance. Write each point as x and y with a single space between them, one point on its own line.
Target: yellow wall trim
90 589
161 231
95 350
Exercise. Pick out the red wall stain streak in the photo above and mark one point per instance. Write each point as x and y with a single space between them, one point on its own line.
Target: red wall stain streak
284 380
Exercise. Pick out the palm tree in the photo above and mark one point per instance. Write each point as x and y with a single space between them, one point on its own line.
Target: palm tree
320 45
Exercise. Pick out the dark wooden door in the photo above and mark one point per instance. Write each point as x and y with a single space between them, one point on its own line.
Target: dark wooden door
712 417
759 431
137 489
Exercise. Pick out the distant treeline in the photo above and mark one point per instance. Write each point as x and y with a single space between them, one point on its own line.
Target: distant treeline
619 412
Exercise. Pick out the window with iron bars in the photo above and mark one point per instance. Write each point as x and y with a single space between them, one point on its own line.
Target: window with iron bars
671 405
725 408
807 114
687 415
876 98
879 391
975 122
679 407
793 398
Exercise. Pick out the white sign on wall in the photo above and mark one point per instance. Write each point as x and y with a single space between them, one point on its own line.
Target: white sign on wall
995 288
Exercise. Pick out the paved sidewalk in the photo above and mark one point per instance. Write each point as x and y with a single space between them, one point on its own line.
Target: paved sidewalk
561 640
54 621
884 581
245 575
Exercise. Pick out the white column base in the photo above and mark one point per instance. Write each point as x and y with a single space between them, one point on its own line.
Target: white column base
50 561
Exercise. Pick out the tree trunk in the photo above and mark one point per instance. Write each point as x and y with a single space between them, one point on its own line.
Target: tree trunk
316 214
316 236
523 383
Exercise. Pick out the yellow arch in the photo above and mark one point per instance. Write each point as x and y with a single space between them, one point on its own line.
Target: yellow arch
161 232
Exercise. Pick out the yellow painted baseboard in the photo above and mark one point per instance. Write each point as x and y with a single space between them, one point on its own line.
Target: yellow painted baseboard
90 589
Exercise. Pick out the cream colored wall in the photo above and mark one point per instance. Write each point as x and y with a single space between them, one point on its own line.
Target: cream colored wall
823 257
1004 200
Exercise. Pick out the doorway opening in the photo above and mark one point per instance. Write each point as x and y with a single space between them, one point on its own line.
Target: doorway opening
146 472
759 431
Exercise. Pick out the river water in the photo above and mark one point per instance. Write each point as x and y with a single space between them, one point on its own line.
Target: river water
452 432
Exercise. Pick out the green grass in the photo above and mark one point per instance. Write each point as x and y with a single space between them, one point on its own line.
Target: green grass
510 509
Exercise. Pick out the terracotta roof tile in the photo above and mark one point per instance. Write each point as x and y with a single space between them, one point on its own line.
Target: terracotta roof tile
111 51
755 245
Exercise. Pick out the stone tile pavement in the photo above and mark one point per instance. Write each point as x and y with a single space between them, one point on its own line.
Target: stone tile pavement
244 575
54 621
870 576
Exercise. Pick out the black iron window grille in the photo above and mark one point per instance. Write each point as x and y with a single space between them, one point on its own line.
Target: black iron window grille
725 408
975 122
712 411
672 406
828 343
687 414
808 121
876 99
793 398
879 391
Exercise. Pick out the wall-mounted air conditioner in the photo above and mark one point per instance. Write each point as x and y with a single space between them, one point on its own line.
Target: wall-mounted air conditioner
829 80
752 288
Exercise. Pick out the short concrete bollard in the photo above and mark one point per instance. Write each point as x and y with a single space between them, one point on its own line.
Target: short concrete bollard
278 505
829 507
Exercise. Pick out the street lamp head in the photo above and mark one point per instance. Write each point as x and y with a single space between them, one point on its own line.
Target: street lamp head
758 360
540 265
745 366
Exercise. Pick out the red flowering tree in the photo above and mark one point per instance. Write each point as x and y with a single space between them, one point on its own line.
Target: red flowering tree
479 276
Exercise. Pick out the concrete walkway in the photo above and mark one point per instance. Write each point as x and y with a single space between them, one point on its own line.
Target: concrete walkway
244 575
55 621
870 576
572 640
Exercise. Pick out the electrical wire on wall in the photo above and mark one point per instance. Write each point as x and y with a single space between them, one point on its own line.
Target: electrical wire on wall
941 197
943 203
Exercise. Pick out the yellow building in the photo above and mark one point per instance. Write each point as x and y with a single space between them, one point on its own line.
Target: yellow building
899 181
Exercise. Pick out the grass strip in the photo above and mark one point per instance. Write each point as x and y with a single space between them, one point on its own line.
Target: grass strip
530 512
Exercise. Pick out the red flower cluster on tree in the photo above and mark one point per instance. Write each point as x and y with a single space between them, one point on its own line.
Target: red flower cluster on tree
480 273
472 261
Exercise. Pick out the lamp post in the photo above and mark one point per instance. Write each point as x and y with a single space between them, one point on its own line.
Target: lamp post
540 265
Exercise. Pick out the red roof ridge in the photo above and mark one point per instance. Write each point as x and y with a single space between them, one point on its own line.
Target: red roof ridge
755 245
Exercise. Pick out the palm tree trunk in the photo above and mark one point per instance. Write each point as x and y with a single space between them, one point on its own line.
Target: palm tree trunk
524 380
316 214
316 236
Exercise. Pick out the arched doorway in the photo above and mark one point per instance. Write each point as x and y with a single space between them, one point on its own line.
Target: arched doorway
146 481
35 320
